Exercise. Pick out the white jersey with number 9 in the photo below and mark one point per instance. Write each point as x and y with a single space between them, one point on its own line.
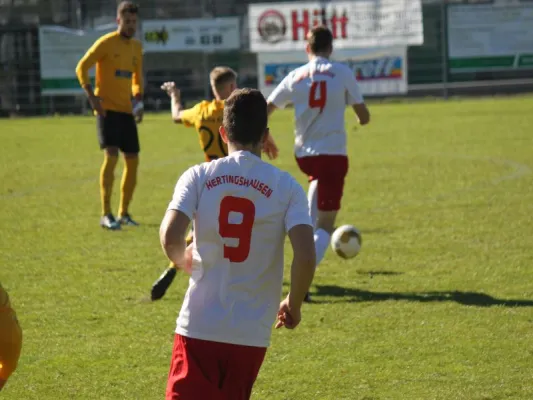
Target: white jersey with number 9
319 91
242 208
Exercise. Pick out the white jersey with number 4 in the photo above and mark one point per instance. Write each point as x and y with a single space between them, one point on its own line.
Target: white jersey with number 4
242 208
319 92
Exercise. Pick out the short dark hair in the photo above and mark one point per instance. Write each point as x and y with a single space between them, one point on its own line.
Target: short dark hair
245 116
320 39
221 75
127 7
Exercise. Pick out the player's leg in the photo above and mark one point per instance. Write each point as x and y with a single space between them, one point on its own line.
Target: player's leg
195 371
130 147
10 345
108 140
161 285
318 171
331 172
241 371
312 194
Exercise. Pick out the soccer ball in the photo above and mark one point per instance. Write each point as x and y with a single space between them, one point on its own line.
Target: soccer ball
346 241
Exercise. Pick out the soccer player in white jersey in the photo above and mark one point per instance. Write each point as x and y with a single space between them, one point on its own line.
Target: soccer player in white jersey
320 91
242 208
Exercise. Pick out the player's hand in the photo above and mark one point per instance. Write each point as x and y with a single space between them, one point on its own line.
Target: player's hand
187 260
171 89
270 148
96 104
139 117
138 111
288 316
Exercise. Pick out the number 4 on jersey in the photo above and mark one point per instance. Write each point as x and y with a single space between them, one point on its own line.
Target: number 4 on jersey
318 95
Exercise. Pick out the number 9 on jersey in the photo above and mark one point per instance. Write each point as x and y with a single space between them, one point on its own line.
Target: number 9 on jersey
241 231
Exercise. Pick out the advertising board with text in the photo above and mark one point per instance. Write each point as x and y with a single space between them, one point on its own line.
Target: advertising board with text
378 71
490 37
355 24
60 50
217 34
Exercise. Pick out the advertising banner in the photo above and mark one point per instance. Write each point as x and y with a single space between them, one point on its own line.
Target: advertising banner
60 50
380 71
217 34
354 24
490 37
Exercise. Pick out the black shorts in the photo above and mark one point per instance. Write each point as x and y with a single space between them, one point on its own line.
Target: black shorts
118 129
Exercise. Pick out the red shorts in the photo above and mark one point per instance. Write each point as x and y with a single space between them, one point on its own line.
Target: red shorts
329 171
202 369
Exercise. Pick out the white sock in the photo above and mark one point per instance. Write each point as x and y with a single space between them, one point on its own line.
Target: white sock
312 194
321 244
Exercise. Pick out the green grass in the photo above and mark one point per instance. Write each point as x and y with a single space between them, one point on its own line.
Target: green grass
439 304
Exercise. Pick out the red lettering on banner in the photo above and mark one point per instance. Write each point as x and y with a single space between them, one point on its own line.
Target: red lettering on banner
300 22
296 25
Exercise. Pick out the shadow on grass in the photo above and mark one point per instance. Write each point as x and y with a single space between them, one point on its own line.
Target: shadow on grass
465 298
382 273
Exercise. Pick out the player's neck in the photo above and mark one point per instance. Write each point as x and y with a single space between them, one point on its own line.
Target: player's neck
255 150
320 55
123 35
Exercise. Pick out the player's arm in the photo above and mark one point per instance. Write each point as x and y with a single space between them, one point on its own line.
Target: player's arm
172 233
280 97
271 107
179 114
354 98
303 262
180 212
300 230
137 86
96 53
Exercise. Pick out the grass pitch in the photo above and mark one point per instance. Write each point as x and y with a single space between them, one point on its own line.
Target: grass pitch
439 304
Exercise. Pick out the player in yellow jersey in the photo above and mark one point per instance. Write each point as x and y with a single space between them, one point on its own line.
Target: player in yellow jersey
10 338
206 118
118 60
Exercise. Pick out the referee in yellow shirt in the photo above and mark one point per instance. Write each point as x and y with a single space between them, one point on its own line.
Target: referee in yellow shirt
118 60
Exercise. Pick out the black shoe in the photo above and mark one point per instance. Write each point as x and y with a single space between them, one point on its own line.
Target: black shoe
108 221
126 220
307 298
159 288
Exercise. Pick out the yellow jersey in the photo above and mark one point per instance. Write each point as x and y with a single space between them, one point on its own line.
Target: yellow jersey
206 117
118 70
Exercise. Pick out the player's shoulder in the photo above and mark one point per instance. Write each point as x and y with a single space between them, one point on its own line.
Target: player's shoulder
217 104
340 67
289 180
302 69
195 174
136 43
214 105
199 169
285 181
108 37
202 104
207 168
